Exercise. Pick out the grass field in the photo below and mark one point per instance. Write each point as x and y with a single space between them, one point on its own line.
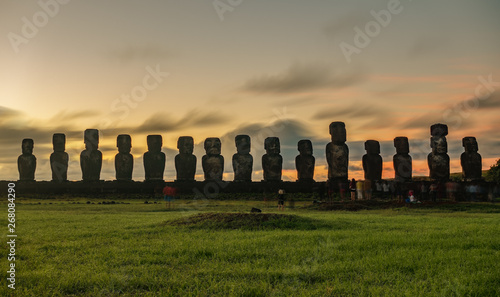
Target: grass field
76 249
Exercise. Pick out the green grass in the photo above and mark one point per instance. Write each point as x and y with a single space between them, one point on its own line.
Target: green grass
67 249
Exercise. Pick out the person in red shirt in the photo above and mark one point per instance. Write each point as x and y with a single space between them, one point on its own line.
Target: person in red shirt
169 194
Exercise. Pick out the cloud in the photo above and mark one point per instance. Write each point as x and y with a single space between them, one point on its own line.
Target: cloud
455 115
303 77
66 115
354 111
8 113
427 45
161 122
491 101
140 53
344 25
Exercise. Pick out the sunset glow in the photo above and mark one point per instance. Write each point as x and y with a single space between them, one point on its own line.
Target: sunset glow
264 68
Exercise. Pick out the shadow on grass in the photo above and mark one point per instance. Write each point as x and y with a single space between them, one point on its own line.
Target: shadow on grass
258 221
442 206
459 207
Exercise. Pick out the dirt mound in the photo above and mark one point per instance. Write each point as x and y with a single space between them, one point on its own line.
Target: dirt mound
215 220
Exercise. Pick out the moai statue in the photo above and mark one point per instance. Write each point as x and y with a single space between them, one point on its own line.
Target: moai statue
402 160
213 162
185 161
372 161
242 160
59 158
154 159
272 161
337 153
91 157
438 160
470 160
305 161
124 161
26 163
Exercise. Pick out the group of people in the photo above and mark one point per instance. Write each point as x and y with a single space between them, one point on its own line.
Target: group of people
360 189
421 191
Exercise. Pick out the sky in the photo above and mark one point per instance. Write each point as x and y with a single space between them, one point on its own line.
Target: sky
220 68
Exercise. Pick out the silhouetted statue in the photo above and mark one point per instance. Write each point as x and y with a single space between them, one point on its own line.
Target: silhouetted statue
402 160
213 162
372 161
91 157
439 130
124 161
438 160
337 153
305 161
272 162
471 161
185 161
59 158
26 163
242 160
154 159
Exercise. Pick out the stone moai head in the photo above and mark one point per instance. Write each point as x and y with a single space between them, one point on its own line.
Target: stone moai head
338 132
272 145
59 142
439 145
124 143
402 145
242 144
27 146
439 130
185 144
372 147
154 143
305 147
91 139
212 146
470 144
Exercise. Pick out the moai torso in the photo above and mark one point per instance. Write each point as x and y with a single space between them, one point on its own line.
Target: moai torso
471 160
337 153
242 160
372 161
124 161
26 163
213 162
402 161
305 161
59 159
438 160
272 162
91 157
185 161
154 159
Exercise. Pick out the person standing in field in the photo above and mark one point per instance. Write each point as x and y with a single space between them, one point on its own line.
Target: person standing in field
359 189
342 190
281 199
385 189
399 192
368 189
169 194
433 189
352 189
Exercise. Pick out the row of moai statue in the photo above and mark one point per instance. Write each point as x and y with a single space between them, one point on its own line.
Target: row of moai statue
337 155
